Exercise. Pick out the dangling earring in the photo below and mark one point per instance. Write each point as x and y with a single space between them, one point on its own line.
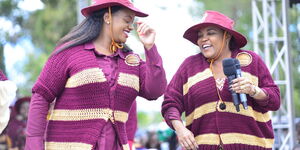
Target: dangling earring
114 46
107 22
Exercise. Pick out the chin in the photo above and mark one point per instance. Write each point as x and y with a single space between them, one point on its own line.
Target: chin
206 55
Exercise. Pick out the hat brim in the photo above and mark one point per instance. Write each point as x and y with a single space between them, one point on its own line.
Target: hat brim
191 34
87 11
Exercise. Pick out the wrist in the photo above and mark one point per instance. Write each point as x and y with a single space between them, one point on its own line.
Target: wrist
177 124
148 46
256 91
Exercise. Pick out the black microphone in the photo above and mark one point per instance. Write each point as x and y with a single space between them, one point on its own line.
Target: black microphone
229 69
243 97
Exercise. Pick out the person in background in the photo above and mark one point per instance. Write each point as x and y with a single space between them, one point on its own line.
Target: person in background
7 94
94 79
201 90
17 124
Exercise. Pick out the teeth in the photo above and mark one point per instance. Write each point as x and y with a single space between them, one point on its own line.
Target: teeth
205 46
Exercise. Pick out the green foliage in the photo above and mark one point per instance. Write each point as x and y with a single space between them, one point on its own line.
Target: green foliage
295 54
31 70
9 11
297 102
48 25
144 118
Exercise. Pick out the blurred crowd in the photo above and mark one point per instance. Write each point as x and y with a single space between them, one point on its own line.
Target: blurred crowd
160 138
13 136
156 137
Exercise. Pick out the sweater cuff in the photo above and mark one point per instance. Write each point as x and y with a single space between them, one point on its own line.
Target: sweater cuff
264 102
34 143
152 56
172 114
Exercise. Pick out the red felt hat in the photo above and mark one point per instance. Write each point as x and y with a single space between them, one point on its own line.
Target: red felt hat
214 18
19 102
100 4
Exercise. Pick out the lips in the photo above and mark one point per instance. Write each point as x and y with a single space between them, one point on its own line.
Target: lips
126 33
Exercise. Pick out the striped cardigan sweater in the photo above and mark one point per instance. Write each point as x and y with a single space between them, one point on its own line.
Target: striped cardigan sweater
83 98
193 91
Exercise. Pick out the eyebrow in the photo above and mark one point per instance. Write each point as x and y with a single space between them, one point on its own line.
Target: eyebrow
209 29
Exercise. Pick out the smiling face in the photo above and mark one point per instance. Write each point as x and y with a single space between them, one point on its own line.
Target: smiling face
210 41
122 24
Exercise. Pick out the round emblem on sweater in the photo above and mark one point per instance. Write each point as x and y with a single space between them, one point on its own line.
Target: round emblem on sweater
244 58
132 60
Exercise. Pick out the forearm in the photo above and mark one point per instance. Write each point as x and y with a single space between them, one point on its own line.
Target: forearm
36 123
177 125
154 75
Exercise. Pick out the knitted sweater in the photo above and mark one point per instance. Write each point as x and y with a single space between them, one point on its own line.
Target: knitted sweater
84 100
193 91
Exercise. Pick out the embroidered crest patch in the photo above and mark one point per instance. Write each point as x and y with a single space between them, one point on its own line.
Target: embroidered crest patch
244 58
132 60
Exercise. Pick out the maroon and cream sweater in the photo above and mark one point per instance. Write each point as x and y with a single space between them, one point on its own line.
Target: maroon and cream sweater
193 91
84 99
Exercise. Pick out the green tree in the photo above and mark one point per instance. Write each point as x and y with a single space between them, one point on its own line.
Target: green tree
295 52
46 27
10 12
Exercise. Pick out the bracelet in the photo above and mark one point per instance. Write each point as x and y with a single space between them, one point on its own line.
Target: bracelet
257 91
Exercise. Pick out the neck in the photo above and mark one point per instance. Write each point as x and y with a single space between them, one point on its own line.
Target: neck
226 53
102 44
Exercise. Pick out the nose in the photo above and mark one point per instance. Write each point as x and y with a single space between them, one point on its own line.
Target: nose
130 27
201 40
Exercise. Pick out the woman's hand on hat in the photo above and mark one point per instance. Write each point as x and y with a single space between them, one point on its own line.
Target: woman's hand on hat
242 85
146 34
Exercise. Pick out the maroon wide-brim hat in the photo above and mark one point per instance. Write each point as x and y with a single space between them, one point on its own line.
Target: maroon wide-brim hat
100 4
214 18
19 102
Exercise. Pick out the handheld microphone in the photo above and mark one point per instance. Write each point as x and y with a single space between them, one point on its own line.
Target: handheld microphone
229 69
243 97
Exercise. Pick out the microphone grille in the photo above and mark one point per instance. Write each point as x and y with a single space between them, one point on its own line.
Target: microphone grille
229 67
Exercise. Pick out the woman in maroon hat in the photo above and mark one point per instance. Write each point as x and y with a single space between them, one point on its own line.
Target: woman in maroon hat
94 79
7 94
201 90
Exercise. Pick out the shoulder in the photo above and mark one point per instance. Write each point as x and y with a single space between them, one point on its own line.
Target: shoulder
71 54
192 65
197 58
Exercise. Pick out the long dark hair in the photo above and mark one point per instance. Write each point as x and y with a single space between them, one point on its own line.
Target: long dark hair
88 30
